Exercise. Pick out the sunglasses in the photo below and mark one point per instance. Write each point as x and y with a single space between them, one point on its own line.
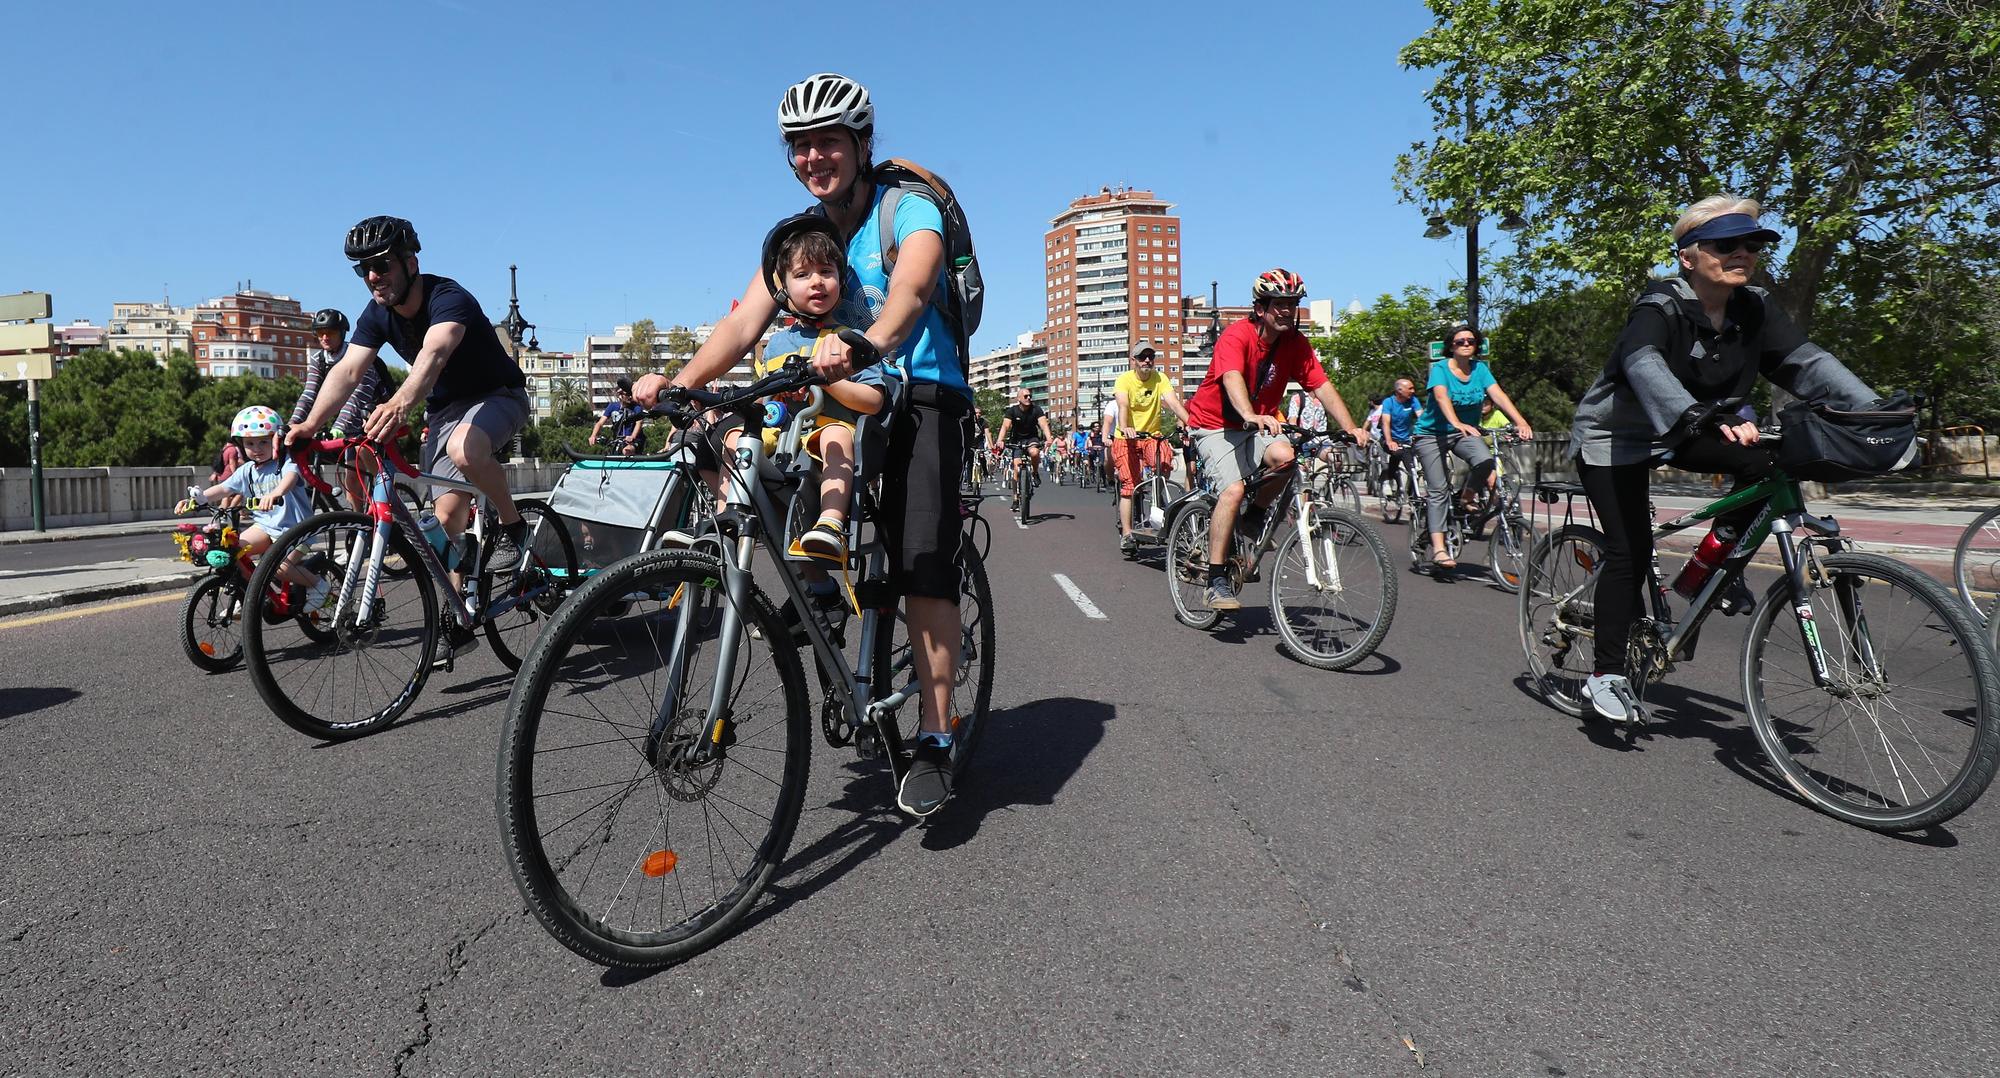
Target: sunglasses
1731 245
380 265
1456 341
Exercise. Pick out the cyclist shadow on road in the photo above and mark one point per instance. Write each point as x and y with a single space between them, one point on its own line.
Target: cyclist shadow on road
1682 713
1025 757
1253 623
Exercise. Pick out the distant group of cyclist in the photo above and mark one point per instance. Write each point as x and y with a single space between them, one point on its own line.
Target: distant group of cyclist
854 260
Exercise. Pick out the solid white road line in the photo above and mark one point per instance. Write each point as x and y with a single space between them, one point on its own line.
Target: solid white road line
1081 600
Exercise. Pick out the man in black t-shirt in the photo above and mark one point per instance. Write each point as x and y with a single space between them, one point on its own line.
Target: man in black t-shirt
474 394
1024 423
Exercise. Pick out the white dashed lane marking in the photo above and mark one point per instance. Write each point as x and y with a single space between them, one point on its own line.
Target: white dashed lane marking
1081 600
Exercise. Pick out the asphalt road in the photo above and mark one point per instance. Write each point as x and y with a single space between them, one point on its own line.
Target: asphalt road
1183 854
110 549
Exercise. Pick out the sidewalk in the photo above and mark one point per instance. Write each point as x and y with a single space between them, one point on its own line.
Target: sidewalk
23 591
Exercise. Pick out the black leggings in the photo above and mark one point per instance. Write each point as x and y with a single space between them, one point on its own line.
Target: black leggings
1619 494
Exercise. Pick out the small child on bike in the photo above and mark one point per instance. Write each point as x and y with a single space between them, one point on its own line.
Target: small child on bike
805 265
269 486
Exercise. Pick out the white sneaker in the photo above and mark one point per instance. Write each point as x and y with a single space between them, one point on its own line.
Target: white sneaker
1607 694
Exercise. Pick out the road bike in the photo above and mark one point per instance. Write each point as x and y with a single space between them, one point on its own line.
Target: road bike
385 630
1025 478
211 634
1333 592
653 767
1877 708
1470 513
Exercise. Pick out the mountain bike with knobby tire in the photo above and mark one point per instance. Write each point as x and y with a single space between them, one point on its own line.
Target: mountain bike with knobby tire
653 767
1333 592
1874 700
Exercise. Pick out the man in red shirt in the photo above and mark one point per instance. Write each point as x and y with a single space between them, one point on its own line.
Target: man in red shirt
1232 415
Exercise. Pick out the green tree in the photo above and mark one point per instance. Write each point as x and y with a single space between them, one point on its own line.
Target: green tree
569 394
635 356
1847 118
680 344
991 402
1391 339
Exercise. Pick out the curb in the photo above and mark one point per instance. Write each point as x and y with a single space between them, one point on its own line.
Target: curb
23 604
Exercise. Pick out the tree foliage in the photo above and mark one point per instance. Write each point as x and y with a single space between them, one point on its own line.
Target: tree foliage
636 354
1367 352
1867 128
1848 118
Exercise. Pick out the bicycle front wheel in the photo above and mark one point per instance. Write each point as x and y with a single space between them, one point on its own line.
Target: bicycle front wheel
1558 613
535 588
1975 564
639 826
365 671
1903 735
209 632
1334 612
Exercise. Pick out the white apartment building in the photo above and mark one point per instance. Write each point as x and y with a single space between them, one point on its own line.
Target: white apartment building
159 328
1001 370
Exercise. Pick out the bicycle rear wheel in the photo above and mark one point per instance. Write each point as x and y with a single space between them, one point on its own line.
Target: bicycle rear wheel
1558 613
540 583
1905 734
369 668
1336 615
1975 564
1507 548
636 841
972 681
209 632
1187 565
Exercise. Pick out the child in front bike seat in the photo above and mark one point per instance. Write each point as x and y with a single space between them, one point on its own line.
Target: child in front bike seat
805 264
269 486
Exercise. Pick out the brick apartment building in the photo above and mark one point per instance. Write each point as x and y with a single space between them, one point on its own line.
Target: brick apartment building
251 332
1113 280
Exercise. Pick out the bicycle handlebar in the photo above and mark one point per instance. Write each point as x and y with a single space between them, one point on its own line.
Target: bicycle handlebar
303 450
1337 436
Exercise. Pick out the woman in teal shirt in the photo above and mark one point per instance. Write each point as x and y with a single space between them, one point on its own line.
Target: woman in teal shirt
1458 385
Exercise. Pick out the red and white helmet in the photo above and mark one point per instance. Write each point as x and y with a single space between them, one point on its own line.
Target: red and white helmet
1278 284
825 99
256 421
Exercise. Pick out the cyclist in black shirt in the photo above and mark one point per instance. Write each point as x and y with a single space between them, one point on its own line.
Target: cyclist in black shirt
1024 422
474 393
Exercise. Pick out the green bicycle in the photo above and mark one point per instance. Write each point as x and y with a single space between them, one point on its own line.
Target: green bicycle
1878 708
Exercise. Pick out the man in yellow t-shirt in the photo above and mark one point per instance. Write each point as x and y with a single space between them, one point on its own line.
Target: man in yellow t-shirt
1137 444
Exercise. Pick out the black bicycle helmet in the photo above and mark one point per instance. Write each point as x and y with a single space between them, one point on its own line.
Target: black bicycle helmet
380 236
774 274
329 319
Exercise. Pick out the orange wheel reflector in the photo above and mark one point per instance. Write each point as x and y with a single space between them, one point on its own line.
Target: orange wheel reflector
660 862
207 649
1584 559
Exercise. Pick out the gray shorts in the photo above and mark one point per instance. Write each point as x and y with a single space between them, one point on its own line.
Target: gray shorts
1231 455
499 414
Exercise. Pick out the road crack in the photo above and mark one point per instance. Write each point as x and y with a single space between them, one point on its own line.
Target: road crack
454 963
1400 1030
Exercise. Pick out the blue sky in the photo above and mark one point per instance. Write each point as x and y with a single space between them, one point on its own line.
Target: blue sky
626 156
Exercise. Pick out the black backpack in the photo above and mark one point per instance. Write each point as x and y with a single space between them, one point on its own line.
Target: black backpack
965 301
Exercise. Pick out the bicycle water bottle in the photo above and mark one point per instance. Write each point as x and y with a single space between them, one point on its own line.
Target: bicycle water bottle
1713 551
433 530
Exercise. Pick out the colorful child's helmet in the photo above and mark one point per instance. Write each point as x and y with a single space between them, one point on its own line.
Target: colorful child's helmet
256 421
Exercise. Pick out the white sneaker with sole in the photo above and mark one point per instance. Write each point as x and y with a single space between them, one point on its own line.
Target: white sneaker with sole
1608 694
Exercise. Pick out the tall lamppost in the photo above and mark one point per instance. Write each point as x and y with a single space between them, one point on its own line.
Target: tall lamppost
1214 317
1440 225
514 325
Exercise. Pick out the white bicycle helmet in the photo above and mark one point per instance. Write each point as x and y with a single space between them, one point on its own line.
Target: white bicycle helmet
256 421
823 99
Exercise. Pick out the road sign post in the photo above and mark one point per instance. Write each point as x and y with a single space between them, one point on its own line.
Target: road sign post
33 365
